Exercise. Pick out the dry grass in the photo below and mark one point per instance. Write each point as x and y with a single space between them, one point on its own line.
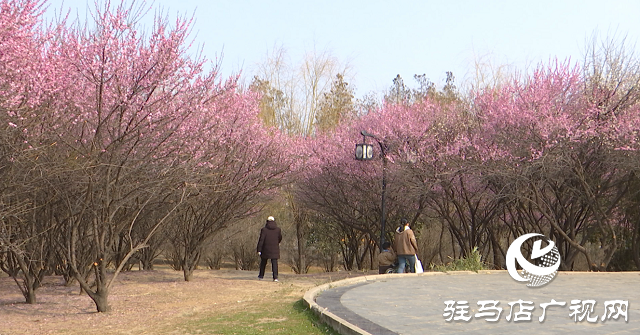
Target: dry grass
157 302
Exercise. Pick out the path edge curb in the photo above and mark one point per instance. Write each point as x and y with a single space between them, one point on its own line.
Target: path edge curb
341 325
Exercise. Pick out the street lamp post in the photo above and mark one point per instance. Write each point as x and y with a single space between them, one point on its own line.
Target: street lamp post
364 152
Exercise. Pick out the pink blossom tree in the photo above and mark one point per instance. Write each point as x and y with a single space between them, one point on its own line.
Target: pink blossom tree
234 165
347 192
118 102
25 245
568 161
123 115
538 154
127 122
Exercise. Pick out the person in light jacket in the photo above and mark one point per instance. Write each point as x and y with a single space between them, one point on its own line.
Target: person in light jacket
406 247
386 258
269 247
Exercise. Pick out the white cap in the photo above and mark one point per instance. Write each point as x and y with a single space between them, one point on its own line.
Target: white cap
271 218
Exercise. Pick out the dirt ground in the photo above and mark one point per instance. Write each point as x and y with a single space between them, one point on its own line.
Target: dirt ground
145 302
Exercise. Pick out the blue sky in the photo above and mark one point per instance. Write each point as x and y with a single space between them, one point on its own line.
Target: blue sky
380 39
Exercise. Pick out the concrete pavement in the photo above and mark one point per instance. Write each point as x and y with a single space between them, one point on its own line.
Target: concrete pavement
466 302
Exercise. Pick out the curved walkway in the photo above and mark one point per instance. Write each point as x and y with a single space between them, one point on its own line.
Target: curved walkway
439 303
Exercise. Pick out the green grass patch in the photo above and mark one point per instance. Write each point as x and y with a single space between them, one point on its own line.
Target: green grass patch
471 263
277 316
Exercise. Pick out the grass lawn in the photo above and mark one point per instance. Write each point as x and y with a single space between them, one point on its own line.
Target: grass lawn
277 316
161 302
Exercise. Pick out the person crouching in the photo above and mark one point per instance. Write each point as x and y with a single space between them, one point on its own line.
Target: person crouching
386 258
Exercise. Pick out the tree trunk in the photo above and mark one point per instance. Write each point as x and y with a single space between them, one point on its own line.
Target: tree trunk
189 264
188 274
100 295
101 301
635 246
28 286
300 235
372 254
498 253
30 296
609 251
147 265
146 258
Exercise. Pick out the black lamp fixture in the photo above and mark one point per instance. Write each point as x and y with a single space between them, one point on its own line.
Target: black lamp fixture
364 152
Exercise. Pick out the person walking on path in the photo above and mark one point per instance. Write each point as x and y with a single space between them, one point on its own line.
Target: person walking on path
406 247
269 247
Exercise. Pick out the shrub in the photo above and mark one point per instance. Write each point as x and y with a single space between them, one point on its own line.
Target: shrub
471 263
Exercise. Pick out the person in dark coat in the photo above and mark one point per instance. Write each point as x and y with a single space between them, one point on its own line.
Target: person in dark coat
269 247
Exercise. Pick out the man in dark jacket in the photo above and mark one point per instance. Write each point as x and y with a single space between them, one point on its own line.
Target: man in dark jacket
269 247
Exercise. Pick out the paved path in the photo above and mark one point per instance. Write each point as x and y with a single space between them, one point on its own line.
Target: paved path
415 304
